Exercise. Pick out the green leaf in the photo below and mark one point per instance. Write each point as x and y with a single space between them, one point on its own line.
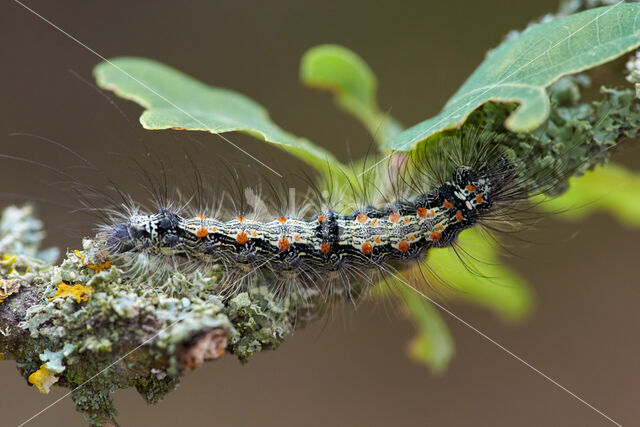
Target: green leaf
521 68
482 278
610 188
174 100
433 345
352 83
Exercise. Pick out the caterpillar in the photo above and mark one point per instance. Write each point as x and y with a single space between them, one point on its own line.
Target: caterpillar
467 178
456 183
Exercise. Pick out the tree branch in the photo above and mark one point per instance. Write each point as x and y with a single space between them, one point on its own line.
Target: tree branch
83 325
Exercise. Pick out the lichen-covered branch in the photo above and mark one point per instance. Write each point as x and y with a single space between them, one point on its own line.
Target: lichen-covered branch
81 326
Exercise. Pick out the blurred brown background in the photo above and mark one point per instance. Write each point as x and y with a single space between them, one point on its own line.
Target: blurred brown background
354 371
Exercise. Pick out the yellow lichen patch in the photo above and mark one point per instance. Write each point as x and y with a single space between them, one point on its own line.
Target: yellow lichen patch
79 255
8 288
94 267
79 292
8 259
43 379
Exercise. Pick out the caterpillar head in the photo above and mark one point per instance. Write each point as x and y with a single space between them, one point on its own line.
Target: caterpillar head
139 231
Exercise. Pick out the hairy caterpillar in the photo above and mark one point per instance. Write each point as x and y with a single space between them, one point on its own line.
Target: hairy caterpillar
461 180
406 205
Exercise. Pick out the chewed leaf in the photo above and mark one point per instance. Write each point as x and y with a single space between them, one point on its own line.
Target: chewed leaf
521 68
611 188
174 100
352 83
481 279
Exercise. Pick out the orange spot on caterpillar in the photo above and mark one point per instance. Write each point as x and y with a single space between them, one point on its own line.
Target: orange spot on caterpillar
447 204
242 237
325 247
435 236
282 219
367 248
283 243
403 246
377 239
202 232
470 188
294 222
459 216
240 218
201 217
254 233
412 237
407 219
432 213
214 229
374 222
296 237
422 212
322 218
362 218
479 198
178 128
394 217
440 227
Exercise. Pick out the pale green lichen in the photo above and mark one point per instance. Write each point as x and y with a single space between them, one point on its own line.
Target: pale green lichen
54 359
22 233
